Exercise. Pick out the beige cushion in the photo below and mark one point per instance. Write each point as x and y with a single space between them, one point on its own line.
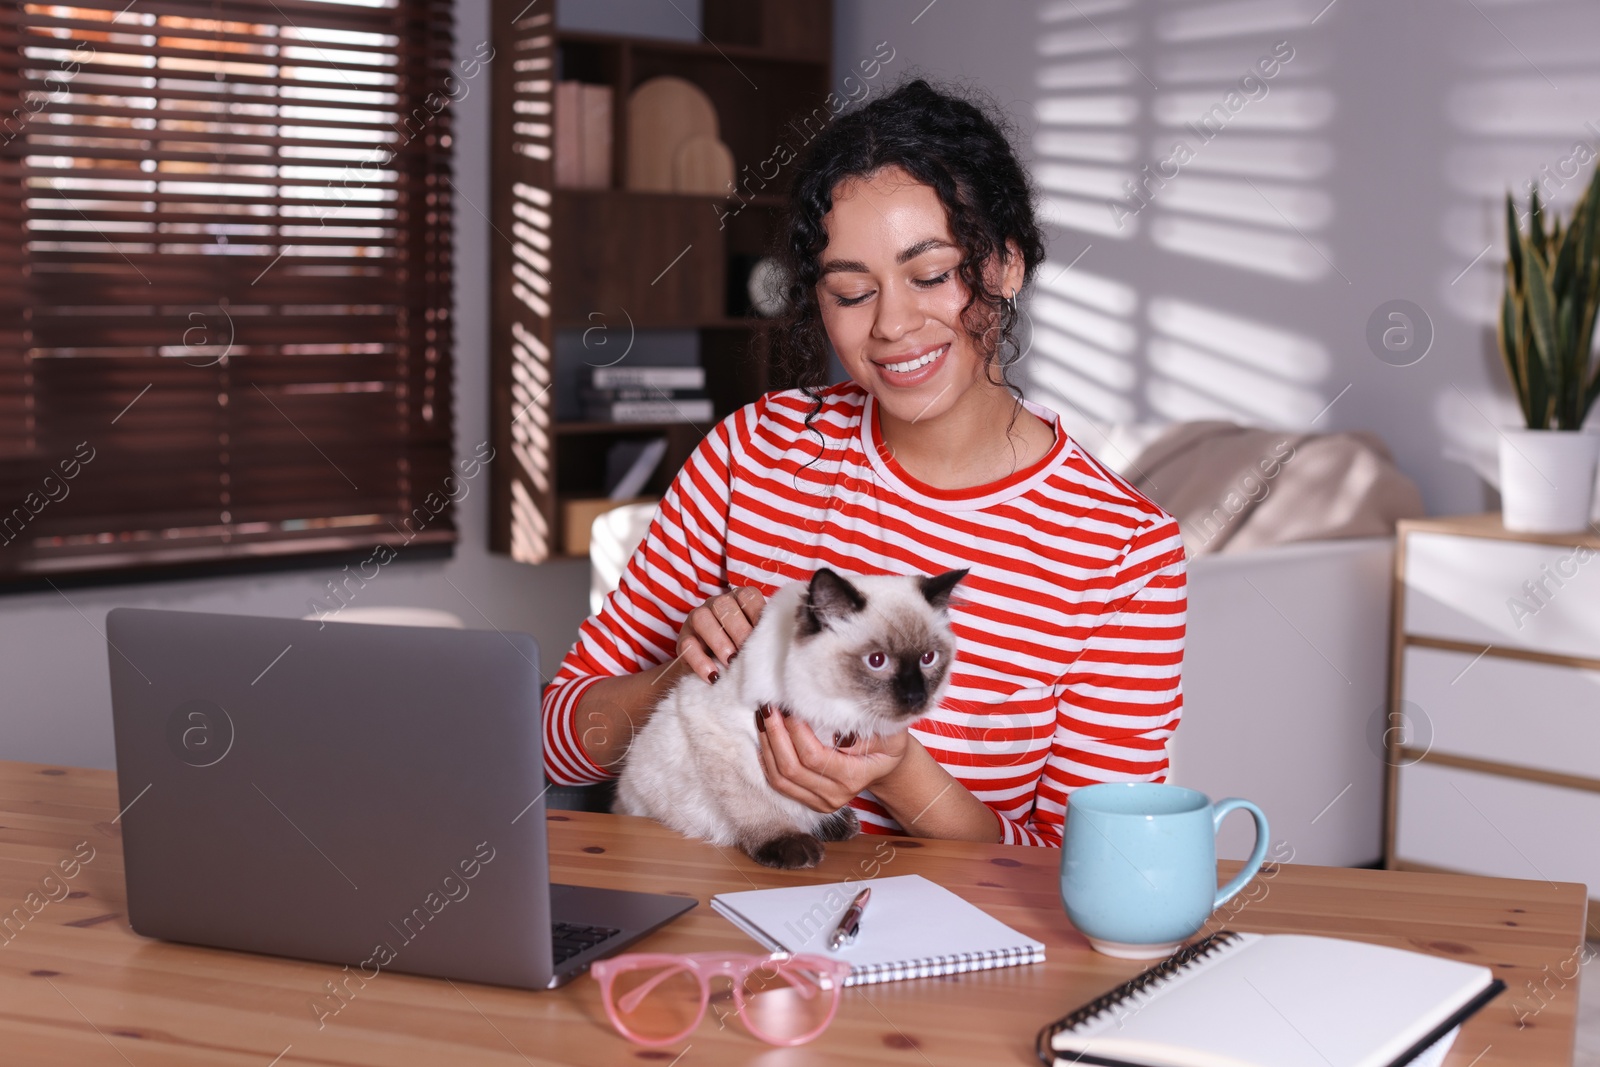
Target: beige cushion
1237 488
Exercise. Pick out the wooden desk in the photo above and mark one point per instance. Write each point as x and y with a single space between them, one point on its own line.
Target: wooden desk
78 987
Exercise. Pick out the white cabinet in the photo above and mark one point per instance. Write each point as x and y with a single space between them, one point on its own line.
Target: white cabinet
1494 725
1511 594
1459 820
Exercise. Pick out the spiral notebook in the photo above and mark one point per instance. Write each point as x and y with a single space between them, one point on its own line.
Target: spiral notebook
1277 1000
912 928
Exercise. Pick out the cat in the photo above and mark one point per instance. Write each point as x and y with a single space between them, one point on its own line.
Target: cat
850 658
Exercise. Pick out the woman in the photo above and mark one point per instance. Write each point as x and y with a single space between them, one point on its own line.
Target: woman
911 232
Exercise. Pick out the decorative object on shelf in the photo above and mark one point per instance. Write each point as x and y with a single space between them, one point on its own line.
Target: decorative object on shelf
702 164
630 463
595 107
663 114
583 136
756 286
578 515
767 283
1546 333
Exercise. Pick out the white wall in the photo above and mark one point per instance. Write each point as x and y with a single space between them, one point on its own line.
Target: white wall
56 700
1376 158
1411 118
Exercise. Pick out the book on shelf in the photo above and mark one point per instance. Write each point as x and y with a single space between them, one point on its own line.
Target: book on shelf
687 410
648 377
583 135
642 392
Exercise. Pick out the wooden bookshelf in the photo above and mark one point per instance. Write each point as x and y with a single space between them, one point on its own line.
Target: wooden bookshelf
565 259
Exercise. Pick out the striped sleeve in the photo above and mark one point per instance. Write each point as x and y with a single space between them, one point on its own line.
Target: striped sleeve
679 564
1122 696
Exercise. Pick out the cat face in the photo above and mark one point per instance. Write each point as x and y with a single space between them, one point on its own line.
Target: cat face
881 645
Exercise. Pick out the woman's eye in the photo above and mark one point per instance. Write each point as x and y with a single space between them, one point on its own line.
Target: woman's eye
929 658
929 283
876 660
850 301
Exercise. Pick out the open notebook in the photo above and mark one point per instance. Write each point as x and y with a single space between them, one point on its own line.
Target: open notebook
912 928
1277 1000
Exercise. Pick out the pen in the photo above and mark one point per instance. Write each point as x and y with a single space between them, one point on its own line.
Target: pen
850 922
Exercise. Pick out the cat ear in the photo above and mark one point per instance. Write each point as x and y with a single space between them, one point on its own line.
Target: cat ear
829 597
937 589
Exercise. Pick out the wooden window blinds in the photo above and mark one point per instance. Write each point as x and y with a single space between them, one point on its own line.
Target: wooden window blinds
225 293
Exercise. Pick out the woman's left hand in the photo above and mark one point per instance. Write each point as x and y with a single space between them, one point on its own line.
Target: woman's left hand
823 778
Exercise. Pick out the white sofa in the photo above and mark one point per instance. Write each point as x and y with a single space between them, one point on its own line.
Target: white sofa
1285 681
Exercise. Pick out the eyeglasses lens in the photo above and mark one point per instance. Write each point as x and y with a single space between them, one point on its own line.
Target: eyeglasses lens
656 1003
788 1002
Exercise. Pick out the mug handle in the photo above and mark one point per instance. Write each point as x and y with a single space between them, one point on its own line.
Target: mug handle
1220 811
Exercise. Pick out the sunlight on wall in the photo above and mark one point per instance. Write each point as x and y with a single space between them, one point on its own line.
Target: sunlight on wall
1211 364
531 99
1526 109
1160 128
1088 112
1083 344
1269 214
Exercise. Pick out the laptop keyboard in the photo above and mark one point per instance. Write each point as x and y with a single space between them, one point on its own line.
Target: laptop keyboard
573 938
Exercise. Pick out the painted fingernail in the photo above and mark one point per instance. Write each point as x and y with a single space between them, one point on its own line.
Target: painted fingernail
844 742
761 719
784 712
732 656
713 677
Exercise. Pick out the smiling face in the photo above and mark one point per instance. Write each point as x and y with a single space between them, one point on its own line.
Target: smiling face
892 299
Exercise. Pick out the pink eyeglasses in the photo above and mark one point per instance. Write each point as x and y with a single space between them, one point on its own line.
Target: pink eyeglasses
659 998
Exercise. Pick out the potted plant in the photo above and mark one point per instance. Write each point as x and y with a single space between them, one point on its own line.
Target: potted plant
1546 331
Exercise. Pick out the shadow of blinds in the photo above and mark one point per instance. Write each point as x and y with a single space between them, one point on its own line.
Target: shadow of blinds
1148 144
1526 109
1085 151
525 325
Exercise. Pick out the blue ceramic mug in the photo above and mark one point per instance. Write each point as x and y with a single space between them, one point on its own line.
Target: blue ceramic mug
1139 864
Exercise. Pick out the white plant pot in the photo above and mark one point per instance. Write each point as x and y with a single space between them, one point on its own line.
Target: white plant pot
1547 479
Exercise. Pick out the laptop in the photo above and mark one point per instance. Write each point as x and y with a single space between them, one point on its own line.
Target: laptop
370 796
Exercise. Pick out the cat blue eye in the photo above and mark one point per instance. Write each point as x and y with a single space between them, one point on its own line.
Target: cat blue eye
930 657
876 660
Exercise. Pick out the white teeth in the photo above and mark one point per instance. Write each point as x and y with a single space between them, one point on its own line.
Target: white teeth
913 364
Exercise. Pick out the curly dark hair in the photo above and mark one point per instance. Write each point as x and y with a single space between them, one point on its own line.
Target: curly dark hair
948 142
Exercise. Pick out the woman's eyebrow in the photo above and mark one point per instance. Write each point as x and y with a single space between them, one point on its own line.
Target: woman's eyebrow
905 255
913 251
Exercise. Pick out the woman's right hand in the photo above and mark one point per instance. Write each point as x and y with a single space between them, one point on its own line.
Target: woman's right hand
713 632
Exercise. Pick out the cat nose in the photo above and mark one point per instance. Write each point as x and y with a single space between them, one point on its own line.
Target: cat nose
912 691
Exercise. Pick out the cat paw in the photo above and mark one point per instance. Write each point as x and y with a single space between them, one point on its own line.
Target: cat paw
789 852
842 825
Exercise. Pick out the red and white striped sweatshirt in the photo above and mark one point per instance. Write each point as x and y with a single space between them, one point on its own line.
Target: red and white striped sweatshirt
1069 628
